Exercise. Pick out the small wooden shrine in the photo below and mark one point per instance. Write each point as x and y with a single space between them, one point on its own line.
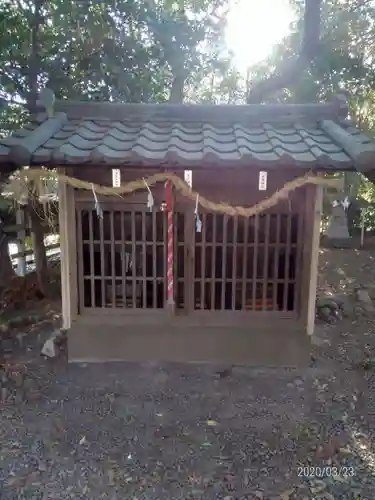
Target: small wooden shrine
153 275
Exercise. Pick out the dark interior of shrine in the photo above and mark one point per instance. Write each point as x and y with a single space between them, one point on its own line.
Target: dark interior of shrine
232 264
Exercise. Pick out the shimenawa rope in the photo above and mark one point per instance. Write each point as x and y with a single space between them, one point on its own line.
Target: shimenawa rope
180 185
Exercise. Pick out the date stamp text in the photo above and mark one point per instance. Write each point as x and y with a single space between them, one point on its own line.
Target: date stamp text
326 471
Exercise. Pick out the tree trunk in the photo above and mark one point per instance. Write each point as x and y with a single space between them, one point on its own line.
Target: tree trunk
293 70
41 264
6 268
177 91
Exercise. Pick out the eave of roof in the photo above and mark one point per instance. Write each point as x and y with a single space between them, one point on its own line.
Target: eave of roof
310 136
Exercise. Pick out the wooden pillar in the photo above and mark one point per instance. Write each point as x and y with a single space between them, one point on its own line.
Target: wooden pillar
310 256
67 223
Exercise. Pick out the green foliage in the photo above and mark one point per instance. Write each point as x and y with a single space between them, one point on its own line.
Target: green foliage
345 64
117 50
138 50
123 50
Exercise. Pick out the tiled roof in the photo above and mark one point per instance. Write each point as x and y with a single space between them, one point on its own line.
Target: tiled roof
310 136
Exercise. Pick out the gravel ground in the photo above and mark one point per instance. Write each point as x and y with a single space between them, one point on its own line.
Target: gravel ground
180 431
171 431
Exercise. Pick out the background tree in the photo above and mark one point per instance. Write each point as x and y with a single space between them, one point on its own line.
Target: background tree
173 51
129 51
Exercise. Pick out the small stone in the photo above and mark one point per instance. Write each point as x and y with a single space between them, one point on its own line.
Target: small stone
111 477
319 342
325 313
4 328
259 495
42 467
49 349
3 377
18 398
28 383
18 379
4 394
20 337
364 298
329 302
7 345
286 495
33 395
197 493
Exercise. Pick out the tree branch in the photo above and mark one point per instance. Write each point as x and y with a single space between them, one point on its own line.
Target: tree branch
293 70
35 59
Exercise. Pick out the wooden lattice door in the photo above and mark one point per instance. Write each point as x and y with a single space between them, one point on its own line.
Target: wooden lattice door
121 258
237 265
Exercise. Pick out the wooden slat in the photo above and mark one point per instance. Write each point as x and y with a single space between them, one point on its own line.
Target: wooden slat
276 261
154 260
244 262
287 262
175 257
144 272
298 273
265 261
134 262
123 259
194 267
102 260
165 260
224 262
92 268
234 262
113 268
189 262
255 261
81 289
203 259
213 262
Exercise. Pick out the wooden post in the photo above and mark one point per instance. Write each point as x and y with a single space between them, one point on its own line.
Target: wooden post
313 213
68 255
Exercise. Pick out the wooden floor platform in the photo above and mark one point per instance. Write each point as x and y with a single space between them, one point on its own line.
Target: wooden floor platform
257 347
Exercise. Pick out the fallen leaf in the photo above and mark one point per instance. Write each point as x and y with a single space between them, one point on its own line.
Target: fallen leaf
111 477
212 423
340 479
328 496
59 425
12 481
318 487
286 494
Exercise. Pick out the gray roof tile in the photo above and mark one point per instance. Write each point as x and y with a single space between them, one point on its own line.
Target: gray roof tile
195 143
